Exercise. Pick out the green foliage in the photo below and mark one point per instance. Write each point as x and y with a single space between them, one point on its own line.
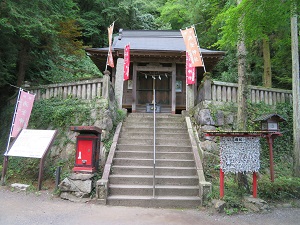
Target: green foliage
175 14
27 28
54 113
283 146
108 141
23 170
59 113
260 20
285 186
63 68
282 188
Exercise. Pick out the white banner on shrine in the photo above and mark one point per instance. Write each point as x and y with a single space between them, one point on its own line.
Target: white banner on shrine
240 154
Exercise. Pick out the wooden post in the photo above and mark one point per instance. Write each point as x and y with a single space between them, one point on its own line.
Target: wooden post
254 185
221 183
4 170
270 143
173 88
134 77
41 172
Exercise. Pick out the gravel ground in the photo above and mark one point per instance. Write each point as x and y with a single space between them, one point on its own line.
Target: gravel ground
20 208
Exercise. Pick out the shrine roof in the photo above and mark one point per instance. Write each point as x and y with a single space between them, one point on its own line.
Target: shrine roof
152 40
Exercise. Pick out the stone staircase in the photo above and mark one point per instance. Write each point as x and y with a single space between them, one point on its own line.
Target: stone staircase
131 178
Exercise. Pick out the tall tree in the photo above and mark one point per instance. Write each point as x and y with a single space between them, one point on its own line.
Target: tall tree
33 26
261 20
296 87
242 76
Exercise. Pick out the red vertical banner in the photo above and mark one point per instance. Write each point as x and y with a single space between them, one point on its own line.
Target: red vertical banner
126 62
23 111
110 60
192 46
190 70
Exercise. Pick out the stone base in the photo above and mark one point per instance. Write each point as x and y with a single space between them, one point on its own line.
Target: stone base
73 198
255 204
77 187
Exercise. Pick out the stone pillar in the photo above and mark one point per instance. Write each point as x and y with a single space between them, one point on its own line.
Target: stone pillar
106 80
190 97
119 82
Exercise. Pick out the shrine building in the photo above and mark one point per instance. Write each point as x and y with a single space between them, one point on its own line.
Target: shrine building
157 61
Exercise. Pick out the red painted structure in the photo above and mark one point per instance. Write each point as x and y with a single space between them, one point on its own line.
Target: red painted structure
87 148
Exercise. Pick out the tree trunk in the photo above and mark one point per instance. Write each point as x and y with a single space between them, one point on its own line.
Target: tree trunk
267 77
22 62
296 89
242 79
242 93
242 87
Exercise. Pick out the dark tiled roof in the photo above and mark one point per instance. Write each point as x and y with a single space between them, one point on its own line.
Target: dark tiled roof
152 40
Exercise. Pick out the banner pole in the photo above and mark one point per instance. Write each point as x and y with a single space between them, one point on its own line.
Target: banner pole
106 61
13 121
199 48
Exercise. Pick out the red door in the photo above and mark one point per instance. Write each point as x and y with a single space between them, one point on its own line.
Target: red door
84 153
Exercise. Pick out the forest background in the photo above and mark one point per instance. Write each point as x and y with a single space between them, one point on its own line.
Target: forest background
42 41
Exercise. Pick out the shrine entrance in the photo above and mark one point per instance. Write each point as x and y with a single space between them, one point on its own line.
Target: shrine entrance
147 82
149 76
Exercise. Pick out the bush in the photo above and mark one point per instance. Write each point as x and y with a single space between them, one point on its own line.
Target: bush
281 188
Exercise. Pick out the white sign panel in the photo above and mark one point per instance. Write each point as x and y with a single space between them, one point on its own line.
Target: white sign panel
32 143
240 154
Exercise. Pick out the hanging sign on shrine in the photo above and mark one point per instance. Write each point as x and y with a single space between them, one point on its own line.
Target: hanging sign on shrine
126 61
190 71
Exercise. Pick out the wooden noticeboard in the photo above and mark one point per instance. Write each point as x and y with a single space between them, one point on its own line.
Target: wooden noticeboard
32 144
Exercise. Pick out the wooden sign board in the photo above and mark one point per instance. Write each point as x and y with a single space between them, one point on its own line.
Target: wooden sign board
32 143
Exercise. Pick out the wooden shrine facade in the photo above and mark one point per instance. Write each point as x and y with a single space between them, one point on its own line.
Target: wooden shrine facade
157 60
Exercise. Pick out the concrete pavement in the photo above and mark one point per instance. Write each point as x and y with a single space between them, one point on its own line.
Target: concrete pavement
18 208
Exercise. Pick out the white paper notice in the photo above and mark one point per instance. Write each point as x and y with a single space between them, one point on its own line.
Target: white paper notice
32 143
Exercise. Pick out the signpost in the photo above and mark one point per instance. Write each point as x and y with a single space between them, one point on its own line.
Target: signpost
31 144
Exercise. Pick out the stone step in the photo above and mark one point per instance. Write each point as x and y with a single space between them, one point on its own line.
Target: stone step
158 130
148 180
149 162
159 148
165 125
157 120
148 170
131 178
138 135
157 115
157 202
149 155
147 190
158 141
